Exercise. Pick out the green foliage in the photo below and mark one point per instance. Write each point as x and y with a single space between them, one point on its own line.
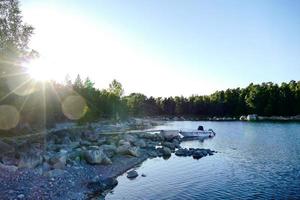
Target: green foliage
116 88
14 36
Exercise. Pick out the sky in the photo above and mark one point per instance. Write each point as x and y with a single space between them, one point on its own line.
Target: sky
167 48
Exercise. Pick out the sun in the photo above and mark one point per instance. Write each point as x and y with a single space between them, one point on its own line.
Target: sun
40 70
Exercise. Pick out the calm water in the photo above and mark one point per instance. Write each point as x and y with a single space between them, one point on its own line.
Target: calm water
255 161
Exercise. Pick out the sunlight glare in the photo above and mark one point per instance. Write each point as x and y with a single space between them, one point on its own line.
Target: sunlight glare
74 107
9 117
41 70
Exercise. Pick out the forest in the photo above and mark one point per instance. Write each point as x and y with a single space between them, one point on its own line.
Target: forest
45 103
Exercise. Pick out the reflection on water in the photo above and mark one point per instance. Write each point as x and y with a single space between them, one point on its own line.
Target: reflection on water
255 161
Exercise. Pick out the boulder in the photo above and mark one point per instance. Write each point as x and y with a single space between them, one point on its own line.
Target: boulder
151 144
59 160
98 185
124 142
5 148
132 174
198 154
30 160
89 136
169 135
109 149
140 143
128 150
10 159
153 137
9 168
169 145
176 142
130 138
96 157
152 154
182 152
166 152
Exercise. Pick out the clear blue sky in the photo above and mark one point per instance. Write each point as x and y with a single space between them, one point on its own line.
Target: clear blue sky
199 46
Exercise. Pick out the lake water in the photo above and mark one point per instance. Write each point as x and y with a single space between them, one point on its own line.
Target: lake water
255 161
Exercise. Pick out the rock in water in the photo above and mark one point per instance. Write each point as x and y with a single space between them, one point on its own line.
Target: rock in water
169 145
102 185
132 174
96 157
166 152
198 154
182 152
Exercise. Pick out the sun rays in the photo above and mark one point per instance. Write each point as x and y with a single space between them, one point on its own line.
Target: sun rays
31 93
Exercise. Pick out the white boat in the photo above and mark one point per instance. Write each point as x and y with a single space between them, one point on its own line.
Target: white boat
198 133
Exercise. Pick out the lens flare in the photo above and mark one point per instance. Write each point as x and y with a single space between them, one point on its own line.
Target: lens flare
9 117
21 85
74 107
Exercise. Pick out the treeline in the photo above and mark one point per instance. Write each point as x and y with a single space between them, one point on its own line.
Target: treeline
265 99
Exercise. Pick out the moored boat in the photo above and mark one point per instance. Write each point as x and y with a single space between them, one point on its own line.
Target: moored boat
200 133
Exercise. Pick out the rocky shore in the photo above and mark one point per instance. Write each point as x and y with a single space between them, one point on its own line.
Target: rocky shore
79 163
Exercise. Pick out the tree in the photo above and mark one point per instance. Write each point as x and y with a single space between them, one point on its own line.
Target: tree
116 88
14 37
78 84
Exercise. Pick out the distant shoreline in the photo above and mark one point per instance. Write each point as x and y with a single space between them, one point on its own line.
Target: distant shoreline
242 118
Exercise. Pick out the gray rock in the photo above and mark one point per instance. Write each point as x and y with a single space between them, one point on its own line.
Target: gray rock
30 160
96 157
59 160
128 150
198 154
140 143
98 185
10 168
124 142
109 149
181 152
54 173
176 142
132 174
4 147
166 152
89 135
152 154
169 145
20 196
130 138
169 135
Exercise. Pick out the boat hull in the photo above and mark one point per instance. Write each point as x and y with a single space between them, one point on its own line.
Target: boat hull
200 134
